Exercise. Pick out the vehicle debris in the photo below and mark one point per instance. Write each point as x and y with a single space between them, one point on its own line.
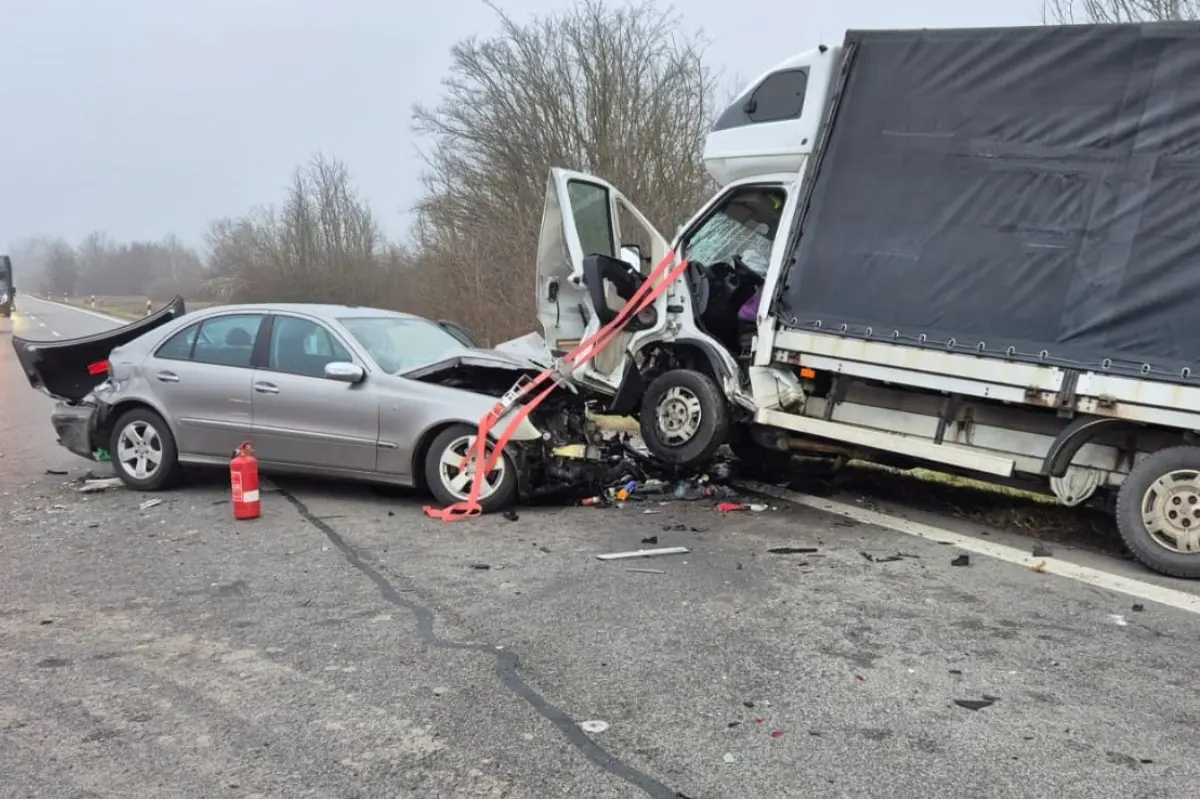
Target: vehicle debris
594 726
792 551
481 566
1137 607
1041 551
148 504
646 571
100 485
1039 567
650 540
660 551
728 758
1118 620
962 560
56 472
976 705
882 559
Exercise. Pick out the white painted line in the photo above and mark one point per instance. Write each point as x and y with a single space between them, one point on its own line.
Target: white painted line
105 317
1054 566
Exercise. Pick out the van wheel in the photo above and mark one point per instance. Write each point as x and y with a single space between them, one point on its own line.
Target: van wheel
143 451
684 419
451 484
1158 511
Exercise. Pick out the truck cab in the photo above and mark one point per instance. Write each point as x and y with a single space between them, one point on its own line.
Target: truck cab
696 342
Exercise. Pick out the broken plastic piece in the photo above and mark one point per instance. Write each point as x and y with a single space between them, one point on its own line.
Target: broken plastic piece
660 551
149 504
594 726
975 705
90 487
791 551
963 560
731 507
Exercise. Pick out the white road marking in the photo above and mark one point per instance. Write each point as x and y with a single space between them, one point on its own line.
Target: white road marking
97 314
1154 593
42 325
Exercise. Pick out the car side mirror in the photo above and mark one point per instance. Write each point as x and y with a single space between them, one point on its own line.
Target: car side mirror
345 372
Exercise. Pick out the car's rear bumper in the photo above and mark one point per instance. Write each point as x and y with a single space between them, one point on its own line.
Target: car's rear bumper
76 428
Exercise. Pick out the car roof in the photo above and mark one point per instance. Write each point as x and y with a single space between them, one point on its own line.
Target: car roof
330 310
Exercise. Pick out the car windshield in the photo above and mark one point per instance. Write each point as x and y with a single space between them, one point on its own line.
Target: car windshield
400 343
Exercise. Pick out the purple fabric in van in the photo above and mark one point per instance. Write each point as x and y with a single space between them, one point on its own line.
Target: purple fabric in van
749 309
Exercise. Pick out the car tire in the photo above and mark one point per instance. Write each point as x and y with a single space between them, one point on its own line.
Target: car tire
1162 484
684 419
755 458
439 476
158 442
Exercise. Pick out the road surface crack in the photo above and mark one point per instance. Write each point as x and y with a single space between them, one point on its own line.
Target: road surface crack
507 663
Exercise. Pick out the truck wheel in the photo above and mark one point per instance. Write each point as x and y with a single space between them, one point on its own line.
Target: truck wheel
450 484
757 458
143 451
1158 511
684 418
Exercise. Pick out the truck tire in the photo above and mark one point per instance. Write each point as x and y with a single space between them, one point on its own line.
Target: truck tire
445 481
756 458
684 418
1158 511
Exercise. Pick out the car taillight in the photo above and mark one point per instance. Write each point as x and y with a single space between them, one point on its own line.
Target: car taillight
98 368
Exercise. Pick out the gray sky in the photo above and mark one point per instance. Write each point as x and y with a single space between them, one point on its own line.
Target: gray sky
148 117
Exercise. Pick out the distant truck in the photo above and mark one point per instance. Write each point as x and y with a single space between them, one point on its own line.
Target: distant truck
973 249
8 292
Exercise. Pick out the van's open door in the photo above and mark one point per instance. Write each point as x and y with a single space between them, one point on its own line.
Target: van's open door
584 216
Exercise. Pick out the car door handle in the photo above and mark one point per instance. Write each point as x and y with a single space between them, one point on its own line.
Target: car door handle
262 387
168 377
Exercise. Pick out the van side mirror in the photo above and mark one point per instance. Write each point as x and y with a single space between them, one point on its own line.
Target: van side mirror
631 254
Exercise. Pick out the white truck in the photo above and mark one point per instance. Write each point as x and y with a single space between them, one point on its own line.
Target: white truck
982 254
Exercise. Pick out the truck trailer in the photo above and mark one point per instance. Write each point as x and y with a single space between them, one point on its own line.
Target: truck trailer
970 249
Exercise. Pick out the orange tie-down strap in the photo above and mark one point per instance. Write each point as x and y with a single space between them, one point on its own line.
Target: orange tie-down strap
659 280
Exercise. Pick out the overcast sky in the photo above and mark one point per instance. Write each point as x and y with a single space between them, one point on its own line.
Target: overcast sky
148 117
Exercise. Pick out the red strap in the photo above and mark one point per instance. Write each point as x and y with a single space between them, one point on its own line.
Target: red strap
659 280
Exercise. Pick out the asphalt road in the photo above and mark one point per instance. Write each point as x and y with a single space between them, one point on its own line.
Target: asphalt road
345 645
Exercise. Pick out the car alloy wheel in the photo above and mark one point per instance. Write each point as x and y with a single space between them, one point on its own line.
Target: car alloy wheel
140 450
458 478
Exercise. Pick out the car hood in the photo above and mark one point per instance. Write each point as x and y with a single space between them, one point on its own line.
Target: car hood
471 358
60 367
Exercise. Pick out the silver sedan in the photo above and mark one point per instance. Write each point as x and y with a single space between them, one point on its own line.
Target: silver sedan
328 390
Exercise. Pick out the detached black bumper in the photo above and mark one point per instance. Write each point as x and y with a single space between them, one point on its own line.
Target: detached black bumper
76 428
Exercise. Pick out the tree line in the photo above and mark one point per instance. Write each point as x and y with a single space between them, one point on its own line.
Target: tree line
621 91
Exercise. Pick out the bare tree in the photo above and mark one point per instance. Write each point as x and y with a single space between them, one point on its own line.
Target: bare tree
619 91
62 268
322 244
1069 12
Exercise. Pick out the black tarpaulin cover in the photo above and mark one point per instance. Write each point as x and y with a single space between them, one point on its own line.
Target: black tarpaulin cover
1016 191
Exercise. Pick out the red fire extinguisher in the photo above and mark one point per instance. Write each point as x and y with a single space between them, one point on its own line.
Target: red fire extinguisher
243 475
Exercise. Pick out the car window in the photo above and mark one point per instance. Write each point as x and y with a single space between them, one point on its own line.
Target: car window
401 343
179 346
227 340
303 347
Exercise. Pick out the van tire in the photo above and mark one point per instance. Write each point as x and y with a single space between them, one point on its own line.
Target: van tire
1184 501
684 418
154 429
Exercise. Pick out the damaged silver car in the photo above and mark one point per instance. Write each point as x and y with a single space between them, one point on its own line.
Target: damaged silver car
328 390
